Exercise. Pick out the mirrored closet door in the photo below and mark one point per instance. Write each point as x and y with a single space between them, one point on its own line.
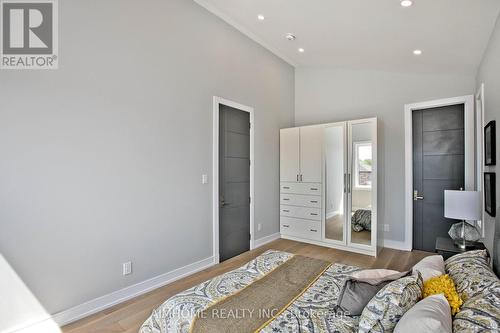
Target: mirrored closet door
361 183
335 182
350 184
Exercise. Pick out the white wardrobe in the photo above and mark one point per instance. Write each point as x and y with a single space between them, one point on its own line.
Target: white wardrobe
328 185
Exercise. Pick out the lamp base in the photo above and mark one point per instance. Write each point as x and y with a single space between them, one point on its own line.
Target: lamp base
464 245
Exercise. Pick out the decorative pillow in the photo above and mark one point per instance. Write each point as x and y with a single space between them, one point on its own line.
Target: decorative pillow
430 267
471 273
360 288
430 315
375 276
444 285
480 313
479 256
384 310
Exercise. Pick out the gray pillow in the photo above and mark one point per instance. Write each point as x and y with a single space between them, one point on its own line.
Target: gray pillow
357 292
384 310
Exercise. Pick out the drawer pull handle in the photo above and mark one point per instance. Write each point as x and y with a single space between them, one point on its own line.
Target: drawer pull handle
313 189
286 199
286 187
314 214
314 230
286 210
314 201
286 226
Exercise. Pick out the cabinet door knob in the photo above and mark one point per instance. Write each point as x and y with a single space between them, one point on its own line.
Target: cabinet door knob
314 230
285 226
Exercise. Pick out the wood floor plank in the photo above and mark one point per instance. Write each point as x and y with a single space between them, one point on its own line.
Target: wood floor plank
127 317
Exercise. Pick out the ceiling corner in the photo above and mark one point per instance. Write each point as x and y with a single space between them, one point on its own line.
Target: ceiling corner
220 14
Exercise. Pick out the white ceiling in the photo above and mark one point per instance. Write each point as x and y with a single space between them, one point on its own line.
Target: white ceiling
376 34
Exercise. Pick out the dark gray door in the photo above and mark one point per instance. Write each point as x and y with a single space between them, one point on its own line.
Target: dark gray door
438 165
234 182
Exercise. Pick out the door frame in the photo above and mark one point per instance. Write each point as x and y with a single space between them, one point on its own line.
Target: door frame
480 151
469 155
217 101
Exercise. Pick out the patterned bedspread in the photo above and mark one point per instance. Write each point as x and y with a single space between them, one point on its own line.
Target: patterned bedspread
312 311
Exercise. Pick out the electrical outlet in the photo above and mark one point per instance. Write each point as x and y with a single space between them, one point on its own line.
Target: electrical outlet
204 179
127 268
259 227
387 227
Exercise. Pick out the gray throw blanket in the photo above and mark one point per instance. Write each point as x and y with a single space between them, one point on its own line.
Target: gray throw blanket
362 220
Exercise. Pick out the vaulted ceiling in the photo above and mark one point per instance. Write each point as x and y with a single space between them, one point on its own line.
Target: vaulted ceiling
376 34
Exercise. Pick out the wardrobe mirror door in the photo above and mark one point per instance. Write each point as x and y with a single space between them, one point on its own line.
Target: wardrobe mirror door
334 181
361 183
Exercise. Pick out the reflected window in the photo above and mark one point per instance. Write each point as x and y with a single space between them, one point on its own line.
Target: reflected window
363 165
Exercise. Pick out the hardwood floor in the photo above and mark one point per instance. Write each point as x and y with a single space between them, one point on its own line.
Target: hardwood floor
127 317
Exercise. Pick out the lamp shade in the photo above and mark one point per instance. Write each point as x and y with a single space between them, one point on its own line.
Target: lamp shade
462 205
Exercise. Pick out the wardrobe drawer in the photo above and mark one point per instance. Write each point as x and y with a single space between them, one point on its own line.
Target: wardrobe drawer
301 188
301 212
300 200
300 228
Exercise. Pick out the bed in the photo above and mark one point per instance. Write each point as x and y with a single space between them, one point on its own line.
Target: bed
309 307
282 292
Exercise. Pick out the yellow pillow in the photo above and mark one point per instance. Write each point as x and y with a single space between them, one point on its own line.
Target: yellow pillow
444 285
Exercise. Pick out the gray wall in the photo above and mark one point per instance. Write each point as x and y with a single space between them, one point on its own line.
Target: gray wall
328 95
489 74
101 160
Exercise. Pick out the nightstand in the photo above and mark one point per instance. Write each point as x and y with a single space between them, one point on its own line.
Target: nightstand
447 248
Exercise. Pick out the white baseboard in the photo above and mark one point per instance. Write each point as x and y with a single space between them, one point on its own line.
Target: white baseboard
397 245
372 253
267 239
98 304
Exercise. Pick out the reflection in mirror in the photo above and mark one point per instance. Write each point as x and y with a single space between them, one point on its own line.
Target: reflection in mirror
334 173
361 184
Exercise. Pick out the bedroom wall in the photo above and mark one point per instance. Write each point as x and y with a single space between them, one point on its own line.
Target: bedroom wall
101 160
489 74
333 94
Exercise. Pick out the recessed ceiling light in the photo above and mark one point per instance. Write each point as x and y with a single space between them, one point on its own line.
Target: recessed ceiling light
301 50
417 52
290 36
261 17
406 3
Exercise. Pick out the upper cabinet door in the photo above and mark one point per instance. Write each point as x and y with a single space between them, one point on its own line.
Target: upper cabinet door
289 154
311 147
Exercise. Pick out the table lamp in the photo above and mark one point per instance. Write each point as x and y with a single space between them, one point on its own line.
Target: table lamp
462 205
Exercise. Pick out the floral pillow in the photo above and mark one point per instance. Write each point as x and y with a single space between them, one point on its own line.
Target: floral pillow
385 309
471 273
480 313
480 289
